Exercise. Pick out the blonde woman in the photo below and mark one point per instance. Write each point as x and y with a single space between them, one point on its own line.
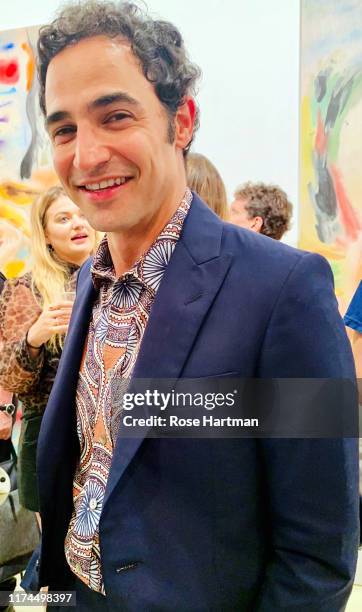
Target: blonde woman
204 179
34 316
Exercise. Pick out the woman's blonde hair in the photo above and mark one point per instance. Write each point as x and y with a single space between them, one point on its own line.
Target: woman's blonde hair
50 275
203 178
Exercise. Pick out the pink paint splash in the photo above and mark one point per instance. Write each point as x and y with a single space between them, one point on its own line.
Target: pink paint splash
321 137
349 217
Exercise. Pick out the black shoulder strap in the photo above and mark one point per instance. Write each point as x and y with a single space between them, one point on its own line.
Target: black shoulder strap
2 281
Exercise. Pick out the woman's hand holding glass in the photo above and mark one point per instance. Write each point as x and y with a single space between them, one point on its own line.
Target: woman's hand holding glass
53 320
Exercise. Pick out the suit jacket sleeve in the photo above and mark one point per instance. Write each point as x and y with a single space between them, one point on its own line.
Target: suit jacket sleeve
312 483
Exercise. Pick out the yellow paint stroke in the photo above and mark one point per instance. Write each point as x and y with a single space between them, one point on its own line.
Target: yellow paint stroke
307 140
14 268
30 67
308 238
17 193
10 214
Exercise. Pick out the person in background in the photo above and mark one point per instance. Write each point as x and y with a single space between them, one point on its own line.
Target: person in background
262 208
7 411
7 416
353 320
34 316
6 421
7 408
205 180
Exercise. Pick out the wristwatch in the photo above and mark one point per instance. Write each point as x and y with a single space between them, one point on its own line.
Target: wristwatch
8 408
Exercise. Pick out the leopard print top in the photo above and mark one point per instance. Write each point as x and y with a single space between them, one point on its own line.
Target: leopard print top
31 379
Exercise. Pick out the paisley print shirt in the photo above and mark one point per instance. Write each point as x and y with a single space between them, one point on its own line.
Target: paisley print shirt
119 318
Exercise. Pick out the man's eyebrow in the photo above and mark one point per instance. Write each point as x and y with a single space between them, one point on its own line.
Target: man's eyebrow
55 117
118 96
102 101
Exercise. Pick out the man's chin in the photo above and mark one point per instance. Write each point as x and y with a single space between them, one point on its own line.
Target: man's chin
115 224
107 219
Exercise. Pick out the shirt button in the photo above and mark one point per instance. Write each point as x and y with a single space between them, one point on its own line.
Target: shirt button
93 503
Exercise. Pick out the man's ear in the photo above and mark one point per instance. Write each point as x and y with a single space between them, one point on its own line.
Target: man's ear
184 122
257 224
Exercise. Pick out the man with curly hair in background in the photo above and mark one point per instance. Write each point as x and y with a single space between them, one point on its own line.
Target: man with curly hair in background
146 522
262 208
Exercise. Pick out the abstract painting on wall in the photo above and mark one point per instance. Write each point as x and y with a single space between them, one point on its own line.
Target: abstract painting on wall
25 161
331 137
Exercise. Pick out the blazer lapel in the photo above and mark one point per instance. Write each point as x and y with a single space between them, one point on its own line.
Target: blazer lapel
73 349
59 420
188 288
60 413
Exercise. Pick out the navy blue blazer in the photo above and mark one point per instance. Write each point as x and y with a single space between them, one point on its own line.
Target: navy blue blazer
353 316
196 525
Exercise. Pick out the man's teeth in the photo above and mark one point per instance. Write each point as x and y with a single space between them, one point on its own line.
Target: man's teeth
105 184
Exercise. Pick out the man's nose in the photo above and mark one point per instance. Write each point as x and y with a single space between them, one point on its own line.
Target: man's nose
90 152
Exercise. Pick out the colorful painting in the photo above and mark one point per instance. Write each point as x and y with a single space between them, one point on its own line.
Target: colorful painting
331 137
25 161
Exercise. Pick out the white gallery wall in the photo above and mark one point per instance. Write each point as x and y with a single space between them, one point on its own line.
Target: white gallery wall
248 51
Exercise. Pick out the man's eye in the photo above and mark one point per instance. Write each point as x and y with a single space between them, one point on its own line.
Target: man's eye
117 117
64 133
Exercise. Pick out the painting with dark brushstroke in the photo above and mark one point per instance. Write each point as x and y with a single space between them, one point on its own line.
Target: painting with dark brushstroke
25 161
331 137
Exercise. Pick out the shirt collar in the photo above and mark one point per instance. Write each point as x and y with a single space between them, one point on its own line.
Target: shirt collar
102 269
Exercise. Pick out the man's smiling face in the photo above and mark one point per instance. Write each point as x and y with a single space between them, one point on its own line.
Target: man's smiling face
110 136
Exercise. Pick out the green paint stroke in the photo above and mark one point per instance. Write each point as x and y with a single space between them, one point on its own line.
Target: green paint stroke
354 97
337 271
334 82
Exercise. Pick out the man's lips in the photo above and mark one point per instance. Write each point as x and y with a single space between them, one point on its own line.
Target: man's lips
103 182
103 193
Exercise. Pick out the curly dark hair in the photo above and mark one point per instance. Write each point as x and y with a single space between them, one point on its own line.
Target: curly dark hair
158 45
270 203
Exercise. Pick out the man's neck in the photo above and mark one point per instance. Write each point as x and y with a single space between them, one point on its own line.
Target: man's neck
127 247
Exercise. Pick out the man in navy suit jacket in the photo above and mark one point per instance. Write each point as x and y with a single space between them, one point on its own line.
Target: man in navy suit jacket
152 523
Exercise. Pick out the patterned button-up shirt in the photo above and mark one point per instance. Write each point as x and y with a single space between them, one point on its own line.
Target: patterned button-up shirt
119 319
